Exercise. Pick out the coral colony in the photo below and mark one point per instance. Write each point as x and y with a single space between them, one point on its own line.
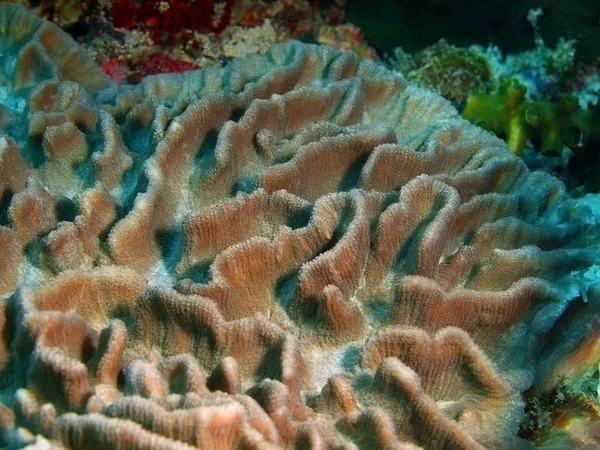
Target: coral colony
296 250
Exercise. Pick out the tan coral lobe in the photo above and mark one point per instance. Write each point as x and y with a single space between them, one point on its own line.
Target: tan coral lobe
296 250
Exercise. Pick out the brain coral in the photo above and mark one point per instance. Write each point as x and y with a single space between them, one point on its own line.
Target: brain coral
298 250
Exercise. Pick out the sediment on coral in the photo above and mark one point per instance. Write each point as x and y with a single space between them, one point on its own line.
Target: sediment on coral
298 249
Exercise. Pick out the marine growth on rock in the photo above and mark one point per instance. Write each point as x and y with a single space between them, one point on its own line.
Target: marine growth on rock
297 250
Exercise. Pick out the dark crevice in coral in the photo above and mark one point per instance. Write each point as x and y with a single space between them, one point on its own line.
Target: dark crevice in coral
468 237
327 69
379 311
475 269
351 178
237 114
121 380
66 210
138 140
199 274
205 348
246 185
389 199
285 289
407 259
87 349
33 153
33 252
14 374
351 357
103 238
178 381
344 221
300 219
134 182
86 172
270 364
5 200
170 243
204 159
282 159
564 325
124 314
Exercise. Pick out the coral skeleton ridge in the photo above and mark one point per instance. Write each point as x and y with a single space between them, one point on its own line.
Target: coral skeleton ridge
297 250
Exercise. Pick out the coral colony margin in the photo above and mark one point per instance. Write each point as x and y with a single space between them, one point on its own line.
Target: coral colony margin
298 250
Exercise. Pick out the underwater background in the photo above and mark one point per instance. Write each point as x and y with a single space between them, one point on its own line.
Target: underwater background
300 224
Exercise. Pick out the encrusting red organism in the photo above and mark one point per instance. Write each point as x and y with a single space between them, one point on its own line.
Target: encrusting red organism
166 19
